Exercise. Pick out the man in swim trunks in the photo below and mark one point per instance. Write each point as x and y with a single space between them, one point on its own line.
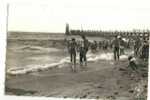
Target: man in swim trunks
116 46
85 47
73 47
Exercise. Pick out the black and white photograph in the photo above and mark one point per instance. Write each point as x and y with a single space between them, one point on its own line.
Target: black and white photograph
78 50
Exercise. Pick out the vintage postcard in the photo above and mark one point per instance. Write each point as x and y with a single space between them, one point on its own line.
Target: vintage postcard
75 51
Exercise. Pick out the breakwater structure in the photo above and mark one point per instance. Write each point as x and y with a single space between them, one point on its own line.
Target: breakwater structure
101 33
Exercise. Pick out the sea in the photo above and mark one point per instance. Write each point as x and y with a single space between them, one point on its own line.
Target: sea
30 52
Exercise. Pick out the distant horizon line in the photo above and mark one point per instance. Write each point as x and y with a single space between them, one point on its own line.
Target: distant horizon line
136 30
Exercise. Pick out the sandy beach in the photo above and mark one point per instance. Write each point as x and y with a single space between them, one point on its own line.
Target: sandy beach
40 68
103 79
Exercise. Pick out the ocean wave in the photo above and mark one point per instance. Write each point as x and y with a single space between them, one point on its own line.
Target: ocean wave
29 48
63 62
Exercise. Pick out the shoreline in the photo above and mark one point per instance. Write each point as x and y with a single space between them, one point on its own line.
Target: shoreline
98 80
65 61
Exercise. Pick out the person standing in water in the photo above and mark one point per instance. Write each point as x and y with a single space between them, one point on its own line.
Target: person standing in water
85 49
121 46
116 46
73 48
81 54
145 50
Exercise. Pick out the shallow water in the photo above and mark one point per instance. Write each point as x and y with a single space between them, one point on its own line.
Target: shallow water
23 58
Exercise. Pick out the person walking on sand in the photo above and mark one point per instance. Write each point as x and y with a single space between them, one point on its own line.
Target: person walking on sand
73 47
85 47
116 46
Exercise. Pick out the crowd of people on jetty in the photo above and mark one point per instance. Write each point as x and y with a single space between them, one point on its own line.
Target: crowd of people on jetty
118 45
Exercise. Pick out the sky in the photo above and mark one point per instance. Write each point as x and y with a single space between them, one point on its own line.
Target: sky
52 16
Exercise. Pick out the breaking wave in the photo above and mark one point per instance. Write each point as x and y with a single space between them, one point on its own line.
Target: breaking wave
29 48
63 63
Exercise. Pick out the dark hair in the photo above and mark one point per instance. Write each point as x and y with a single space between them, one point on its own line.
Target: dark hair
73 39
130 57
116 36
83 36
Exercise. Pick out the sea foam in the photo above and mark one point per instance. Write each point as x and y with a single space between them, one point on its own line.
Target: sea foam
91 57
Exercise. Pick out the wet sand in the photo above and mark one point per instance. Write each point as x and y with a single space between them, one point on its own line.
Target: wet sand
102 79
